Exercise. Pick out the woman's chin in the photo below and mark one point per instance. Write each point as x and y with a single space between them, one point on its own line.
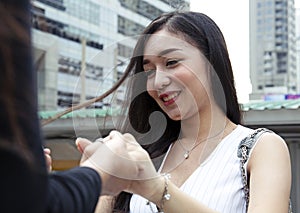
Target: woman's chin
174 116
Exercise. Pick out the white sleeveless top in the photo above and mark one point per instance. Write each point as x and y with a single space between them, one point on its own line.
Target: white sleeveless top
217 182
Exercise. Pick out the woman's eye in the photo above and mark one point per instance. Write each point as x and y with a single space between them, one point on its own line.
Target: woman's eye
149 73
171 63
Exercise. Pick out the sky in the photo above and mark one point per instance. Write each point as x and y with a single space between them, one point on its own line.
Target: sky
232 16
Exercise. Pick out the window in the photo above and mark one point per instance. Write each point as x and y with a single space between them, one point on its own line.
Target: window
58 4
73 67
124 51
45 24
128 27
84 10
177 4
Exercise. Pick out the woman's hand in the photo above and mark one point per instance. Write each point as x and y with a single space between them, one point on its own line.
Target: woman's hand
48 158
122 163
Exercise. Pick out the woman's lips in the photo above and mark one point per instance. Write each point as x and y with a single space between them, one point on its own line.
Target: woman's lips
169 98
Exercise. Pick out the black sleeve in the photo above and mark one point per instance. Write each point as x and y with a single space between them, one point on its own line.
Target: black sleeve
76 190
23 189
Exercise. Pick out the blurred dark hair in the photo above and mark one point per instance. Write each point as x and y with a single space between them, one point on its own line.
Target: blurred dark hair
18 104
202 32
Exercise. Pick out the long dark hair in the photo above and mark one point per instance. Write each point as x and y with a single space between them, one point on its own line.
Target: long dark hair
202 32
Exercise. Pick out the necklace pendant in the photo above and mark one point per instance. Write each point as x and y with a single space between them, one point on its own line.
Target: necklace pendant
186 155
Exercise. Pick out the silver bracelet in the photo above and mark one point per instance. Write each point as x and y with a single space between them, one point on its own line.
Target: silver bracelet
166 195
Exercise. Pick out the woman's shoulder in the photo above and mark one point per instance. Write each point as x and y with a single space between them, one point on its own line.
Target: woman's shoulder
240 132
262 138
262 135
269 147
244 129
271 141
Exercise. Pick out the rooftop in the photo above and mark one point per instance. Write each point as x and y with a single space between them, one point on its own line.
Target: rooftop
253 105
271 105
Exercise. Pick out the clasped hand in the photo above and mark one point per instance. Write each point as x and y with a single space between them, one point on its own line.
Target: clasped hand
122 164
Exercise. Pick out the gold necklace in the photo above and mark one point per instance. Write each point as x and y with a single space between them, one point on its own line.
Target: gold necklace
187 152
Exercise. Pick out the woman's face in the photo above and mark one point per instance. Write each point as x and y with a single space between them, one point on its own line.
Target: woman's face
177 75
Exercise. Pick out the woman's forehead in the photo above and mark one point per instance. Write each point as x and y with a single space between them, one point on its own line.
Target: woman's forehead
163 41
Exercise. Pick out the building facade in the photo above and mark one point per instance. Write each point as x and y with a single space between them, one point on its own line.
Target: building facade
273 67
298 45
81 47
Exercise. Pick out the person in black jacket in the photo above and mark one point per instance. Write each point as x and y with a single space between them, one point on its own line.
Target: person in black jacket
25 184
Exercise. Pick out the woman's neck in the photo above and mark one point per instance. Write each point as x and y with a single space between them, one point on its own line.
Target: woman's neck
206 124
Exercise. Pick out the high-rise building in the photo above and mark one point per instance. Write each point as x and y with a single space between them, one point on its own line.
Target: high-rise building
81 47
272 48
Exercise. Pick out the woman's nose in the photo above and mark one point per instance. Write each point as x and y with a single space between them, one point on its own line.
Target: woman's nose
161 80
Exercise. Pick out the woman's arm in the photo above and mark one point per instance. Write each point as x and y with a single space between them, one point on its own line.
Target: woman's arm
179 201
270 175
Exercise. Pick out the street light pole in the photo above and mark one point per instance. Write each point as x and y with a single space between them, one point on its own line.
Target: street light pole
83 71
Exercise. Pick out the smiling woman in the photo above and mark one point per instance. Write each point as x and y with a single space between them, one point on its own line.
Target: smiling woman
179 75
183 108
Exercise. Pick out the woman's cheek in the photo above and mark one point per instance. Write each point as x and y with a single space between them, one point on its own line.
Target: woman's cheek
150 88
153 94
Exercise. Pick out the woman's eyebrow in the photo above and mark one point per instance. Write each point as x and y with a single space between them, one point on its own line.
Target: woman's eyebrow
166 51
162 53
